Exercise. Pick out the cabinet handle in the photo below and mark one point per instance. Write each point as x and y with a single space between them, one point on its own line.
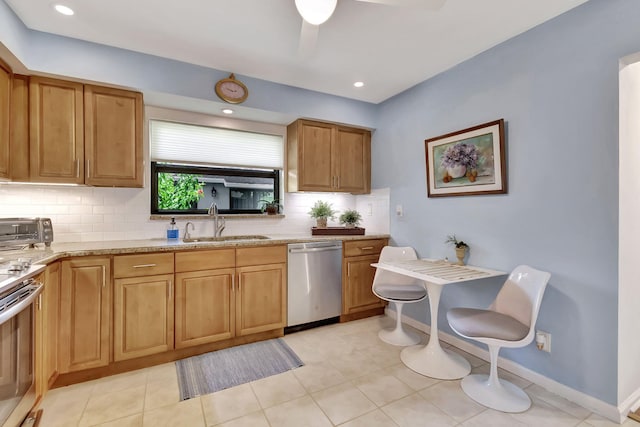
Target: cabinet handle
338 181
88 168
77 168
39 302
366 248
144 265
170 288
233 283
104 277
348 270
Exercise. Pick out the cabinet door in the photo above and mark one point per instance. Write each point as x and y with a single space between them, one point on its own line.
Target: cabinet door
8 358
352 160
56 131
143 316
19 139
261 298
5 118
315 171
85 307
113 137
204 307
51 311
357 282
39 341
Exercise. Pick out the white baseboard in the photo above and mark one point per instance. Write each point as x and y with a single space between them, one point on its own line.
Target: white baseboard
604 409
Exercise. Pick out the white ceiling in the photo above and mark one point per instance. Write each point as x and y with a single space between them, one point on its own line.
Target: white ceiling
389 48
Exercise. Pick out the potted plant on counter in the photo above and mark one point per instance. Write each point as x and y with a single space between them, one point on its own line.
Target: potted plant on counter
322 211
350 218
461 247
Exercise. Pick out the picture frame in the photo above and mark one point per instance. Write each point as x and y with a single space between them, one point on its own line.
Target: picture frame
467 162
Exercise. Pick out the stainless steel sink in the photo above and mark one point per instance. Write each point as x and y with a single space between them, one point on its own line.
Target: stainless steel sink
223 238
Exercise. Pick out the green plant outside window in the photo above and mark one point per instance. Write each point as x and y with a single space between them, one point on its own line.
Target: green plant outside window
178 191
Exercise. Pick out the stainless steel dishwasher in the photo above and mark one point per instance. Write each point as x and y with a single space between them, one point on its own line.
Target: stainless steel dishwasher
314 282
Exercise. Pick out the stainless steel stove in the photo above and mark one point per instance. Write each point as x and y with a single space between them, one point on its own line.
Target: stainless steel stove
19 290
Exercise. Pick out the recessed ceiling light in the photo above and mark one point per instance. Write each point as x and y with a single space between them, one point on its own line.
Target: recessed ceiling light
227 110
358 84
65 10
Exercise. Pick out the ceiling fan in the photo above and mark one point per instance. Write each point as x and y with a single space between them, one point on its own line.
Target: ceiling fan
316 12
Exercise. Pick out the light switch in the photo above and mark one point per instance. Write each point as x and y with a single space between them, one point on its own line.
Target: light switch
399 211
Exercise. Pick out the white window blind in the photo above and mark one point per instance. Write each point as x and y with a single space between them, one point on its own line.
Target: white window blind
186 143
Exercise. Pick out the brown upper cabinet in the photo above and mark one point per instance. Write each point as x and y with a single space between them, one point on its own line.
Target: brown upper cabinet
113 137
328 157
56 131
84 134
5 118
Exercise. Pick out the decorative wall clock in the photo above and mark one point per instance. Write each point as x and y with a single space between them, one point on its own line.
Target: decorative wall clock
231 90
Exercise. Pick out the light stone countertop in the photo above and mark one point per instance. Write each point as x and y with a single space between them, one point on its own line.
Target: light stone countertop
117 247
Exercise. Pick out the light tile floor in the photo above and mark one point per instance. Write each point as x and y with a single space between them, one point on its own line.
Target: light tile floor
350 379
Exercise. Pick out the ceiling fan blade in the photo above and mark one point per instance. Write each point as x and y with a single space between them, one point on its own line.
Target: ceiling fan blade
308 39
427 4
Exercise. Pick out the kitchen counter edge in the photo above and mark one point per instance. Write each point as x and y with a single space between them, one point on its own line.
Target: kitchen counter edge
123 247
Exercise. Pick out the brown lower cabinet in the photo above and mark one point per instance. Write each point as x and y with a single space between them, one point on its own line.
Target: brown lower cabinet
261 298
357 276
170 305
242 292
204 307
218 295
46 327
142 316
142 305
84 335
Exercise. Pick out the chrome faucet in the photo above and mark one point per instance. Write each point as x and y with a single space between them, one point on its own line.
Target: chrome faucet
187 235
218 223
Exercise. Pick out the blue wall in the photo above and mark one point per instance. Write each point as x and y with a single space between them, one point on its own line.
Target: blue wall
556 86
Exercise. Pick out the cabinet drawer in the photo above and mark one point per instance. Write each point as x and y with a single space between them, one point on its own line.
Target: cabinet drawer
205 260
261 255
142 265
363 247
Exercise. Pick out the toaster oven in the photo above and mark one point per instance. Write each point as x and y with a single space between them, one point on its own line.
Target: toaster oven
25 231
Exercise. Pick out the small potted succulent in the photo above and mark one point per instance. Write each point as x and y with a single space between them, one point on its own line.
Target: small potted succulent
322 211
461 247
271 207
350 218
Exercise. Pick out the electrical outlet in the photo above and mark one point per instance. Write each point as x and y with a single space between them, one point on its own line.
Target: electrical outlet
543 341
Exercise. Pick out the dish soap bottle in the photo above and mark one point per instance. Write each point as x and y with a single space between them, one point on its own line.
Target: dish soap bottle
172 230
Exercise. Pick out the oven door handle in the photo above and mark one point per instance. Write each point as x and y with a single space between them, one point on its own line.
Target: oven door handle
34 291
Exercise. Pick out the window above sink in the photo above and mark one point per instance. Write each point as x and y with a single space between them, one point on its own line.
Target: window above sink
185 189
194 165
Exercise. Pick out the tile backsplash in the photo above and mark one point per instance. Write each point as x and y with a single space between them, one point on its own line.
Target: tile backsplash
97 214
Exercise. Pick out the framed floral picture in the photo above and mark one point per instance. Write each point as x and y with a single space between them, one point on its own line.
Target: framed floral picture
467 162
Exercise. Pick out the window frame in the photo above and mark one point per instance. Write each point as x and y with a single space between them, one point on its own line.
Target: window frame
159 167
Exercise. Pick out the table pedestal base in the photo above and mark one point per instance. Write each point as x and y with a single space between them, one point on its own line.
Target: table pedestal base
435 362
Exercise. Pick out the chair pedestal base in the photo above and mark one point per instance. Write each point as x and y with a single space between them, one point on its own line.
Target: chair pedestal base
500 395
398 337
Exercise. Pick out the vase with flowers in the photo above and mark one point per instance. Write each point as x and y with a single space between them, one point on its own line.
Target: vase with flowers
460 160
